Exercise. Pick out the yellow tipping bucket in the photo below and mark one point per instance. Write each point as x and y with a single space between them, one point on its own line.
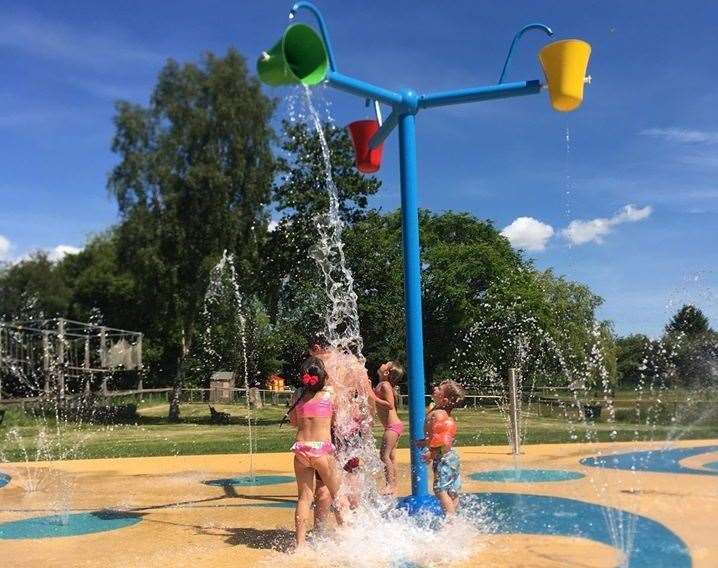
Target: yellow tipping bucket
564 64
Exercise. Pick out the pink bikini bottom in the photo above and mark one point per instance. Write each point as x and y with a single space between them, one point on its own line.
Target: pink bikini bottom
396 427
307 451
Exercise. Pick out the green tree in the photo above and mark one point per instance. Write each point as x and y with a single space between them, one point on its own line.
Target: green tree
33 288
99 284
541 324
374 254
474 283
688 320
293 286
193 179
693 346
301 196
634 354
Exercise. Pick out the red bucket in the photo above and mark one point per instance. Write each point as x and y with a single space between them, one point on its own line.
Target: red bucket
367 161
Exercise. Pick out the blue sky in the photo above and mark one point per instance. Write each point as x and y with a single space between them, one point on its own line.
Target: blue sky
646 136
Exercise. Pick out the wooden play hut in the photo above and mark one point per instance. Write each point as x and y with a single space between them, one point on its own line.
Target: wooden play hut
221 386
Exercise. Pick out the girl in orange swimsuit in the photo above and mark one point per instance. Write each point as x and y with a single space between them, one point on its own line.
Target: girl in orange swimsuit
312 412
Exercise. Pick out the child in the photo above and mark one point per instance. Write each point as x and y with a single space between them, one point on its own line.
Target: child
312 413
390 373
440 431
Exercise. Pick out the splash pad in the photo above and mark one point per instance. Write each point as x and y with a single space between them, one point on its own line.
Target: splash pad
75 524
206 525
250 481
526 475
303 57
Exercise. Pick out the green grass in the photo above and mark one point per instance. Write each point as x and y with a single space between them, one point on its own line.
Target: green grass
153 435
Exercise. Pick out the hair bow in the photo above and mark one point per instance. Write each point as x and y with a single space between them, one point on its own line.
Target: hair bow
309 380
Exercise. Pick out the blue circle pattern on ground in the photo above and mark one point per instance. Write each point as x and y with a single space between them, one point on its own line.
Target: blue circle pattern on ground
71 525
658 461
526 475
711 465
516 513
511 513
248 481
4 479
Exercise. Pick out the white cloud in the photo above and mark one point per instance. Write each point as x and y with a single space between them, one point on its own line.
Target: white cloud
61 251
683 135
580 232
528 233
631 213
54 254
5 247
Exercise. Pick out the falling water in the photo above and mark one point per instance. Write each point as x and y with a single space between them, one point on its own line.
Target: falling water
396 538
342 318
250 438
353 428
569 181
516 340
223 293
56 420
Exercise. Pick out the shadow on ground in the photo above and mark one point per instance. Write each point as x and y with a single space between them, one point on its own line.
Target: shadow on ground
280 540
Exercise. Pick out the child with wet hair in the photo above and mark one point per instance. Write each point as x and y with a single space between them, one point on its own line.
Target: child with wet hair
440 432
390 375
312 412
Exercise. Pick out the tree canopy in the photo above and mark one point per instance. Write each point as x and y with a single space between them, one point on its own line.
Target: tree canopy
200 171
193 180
688 320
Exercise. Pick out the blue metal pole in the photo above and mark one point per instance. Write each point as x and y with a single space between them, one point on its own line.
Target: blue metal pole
474 94
412 299
362 88
322 29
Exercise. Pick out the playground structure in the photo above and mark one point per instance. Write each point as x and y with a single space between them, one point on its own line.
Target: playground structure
57 356
302 57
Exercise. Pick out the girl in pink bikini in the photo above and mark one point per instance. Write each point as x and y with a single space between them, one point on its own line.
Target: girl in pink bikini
390 373
312 413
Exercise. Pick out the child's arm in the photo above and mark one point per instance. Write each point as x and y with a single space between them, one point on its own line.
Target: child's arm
376 399
387 396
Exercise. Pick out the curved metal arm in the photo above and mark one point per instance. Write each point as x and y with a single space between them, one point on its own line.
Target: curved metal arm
517 37
322 28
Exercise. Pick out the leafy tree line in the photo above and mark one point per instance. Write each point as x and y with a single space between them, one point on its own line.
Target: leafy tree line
199 171
685 356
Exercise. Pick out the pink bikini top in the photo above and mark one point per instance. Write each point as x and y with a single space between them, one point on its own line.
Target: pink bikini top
315 408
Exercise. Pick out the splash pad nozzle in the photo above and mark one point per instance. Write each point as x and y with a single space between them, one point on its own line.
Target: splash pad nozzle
290 61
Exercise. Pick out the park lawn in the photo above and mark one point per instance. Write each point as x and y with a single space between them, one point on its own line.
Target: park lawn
153 435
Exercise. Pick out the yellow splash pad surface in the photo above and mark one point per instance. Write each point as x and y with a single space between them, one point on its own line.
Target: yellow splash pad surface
185 522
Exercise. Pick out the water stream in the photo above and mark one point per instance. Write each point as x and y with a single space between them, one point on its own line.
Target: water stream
224 319
396 538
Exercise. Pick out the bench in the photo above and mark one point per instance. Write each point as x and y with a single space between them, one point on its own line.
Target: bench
217 417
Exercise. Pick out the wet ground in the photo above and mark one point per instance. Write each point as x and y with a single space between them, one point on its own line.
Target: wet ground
573 505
